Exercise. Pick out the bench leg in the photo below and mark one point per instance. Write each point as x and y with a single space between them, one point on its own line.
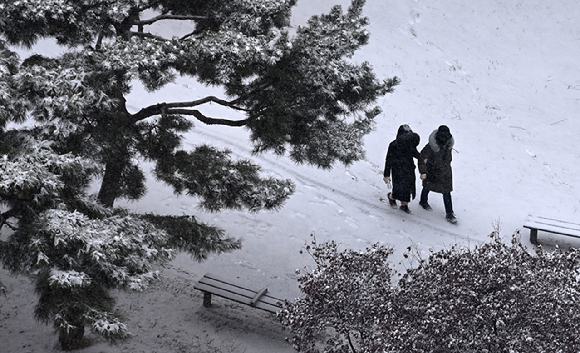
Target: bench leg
207 299
534 236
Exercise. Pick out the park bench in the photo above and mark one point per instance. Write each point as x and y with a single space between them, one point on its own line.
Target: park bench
212 284
545 224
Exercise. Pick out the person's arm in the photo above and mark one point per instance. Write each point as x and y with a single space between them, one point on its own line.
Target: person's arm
388 165
388 161
416 154
423 158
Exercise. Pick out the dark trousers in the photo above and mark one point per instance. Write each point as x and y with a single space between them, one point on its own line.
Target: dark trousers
446 200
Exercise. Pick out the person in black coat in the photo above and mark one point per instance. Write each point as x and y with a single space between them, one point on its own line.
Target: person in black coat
399 166
435 169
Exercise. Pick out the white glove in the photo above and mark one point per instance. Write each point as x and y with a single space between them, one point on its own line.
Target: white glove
387 180
423 176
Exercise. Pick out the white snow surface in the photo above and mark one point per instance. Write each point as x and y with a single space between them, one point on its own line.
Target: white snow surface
503 75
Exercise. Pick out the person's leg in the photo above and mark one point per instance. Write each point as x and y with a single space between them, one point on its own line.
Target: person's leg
405 207
424 196
392 201
448 203
424 201
450 216
404 198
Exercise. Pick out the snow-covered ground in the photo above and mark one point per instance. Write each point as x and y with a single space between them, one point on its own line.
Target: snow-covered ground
503 75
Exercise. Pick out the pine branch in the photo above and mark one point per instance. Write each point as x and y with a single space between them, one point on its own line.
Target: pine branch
4 217
146 35
208 99
187 36
169 108
198 239
206 119
169 17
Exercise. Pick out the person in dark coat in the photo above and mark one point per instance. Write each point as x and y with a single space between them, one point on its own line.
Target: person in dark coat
399 166
435 169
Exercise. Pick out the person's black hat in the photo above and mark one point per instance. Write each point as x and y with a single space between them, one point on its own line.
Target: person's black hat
443 135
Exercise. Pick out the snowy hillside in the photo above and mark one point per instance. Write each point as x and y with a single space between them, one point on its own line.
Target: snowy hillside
503 75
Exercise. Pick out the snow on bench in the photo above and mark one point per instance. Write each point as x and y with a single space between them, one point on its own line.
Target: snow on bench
535 223
212 284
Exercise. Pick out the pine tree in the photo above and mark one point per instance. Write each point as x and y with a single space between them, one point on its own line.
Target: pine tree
300 94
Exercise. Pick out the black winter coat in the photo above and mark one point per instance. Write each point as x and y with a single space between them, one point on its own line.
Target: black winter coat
435 162
400 166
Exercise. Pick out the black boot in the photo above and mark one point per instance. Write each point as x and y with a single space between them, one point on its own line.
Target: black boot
405 209
392 202
451 218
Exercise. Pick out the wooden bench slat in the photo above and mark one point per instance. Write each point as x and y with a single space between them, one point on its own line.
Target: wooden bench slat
267 306
224 293
551 229
212 284
227 287
531 217
553 226
548 220
210 281
535 223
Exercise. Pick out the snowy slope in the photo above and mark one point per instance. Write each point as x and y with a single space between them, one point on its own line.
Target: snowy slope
503 75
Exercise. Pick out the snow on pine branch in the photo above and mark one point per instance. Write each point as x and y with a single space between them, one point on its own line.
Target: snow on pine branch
68 278
263 7
225 48
100 322
67 10
335 35
37 170
122 247
41 10
110 328
61 92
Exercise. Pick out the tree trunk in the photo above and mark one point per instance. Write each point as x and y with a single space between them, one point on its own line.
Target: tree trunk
111 185
71 340
118 127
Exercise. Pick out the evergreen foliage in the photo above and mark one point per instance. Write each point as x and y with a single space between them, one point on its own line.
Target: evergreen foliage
64 124
496 297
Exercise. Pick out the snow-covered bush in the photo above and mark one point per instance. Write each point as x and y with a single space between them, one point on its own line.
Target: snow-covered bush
346 303
496 297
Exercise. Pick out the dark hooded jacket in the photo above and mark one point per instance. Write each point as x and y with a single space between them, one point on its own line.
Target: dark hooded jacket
400 166
435 161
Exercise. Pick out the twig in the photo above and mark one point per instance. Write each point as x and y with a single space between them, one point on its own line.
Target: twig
557 122
147 35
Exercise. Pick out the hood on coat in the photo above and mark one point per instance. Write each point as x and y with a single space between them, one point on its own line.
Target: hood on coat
433 141
409 140
403 129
